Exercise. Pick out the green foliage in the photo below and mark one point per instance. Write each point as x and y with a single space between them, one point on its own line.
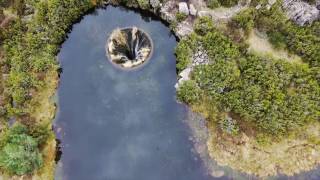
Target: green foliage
143 4
31 48
229 126
189 92
19 154
244 19
203 25
273 96
181 16
213 4
216 78
183 53
228 3
302 41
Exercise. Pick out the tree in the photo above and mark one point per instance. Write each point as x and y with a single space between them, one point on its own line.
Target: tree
20 154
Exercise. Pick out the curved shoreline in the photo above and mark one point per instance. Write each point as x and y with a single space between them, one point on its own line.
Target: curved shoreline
199 137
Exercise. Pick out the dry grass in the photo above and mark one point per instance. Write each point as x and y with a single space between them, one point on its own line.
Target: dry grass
261 46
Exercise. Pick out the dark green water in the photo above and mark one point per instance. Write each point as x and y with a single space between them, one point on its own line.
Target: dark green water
124 125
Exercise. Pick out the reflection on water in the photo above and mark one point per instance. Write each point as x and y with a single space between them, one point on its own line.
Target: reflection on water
122 125
116 124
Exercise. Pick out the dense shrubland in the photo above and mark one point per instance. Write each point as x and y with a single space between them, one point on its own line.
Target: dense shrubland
282 32
29 48
271 96
217 3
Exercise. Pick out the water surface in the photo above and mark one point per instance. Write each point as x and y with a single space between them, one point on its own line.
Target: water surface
125 125
117 124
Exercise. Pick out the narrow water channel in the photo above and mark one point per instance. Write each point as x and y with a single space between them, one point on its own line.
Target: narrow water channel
121 125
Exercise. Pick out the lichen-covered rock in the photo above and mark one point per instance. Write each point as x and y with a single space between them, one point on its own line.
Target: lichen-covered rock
301 12
204 13
155 4
193 10
183 29
168 11
183 8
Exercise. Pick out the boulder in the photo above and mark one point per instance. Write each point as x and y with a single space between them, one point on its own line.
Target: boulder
168 11
204 13
155 3
271 2
183 29
193 10
301 12
183 8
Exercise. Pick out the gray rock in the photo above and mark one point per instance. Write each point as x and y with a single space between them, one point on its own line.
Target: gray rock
183 29
185 76
183 8
204 13
155 3
271 2
318 4
301 12
168 11
193 10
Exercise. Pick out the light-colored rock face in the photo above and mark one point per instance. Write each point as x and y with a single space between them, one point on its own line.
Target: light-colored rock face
183 8
168 11
193 10
301 12
184 28
155 3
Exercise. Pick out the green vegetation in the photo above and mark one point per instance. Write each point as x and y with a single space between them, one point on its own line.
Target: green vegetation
143 4
272 96
29 67
282 33
217 3
181 16
19 152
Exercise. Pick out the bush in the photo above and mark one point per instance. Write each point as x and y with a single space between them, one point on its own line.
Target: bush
203 25
189 92
228 3
229 126
143 4
20 154
244 20
183 53
213 4
181 16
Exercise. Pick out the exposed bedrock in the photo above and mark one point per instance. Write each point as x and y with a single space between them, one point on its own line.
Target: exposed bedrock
301 12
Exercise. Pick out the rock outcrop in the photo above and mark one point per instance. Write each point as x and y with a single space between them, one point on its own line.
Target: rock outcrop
200 57
155 4
184 29
301 12
183 8
168 11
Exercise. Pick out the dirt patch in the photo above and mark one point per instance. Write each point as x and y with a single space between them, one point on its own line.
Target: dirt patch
289 156
261 46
